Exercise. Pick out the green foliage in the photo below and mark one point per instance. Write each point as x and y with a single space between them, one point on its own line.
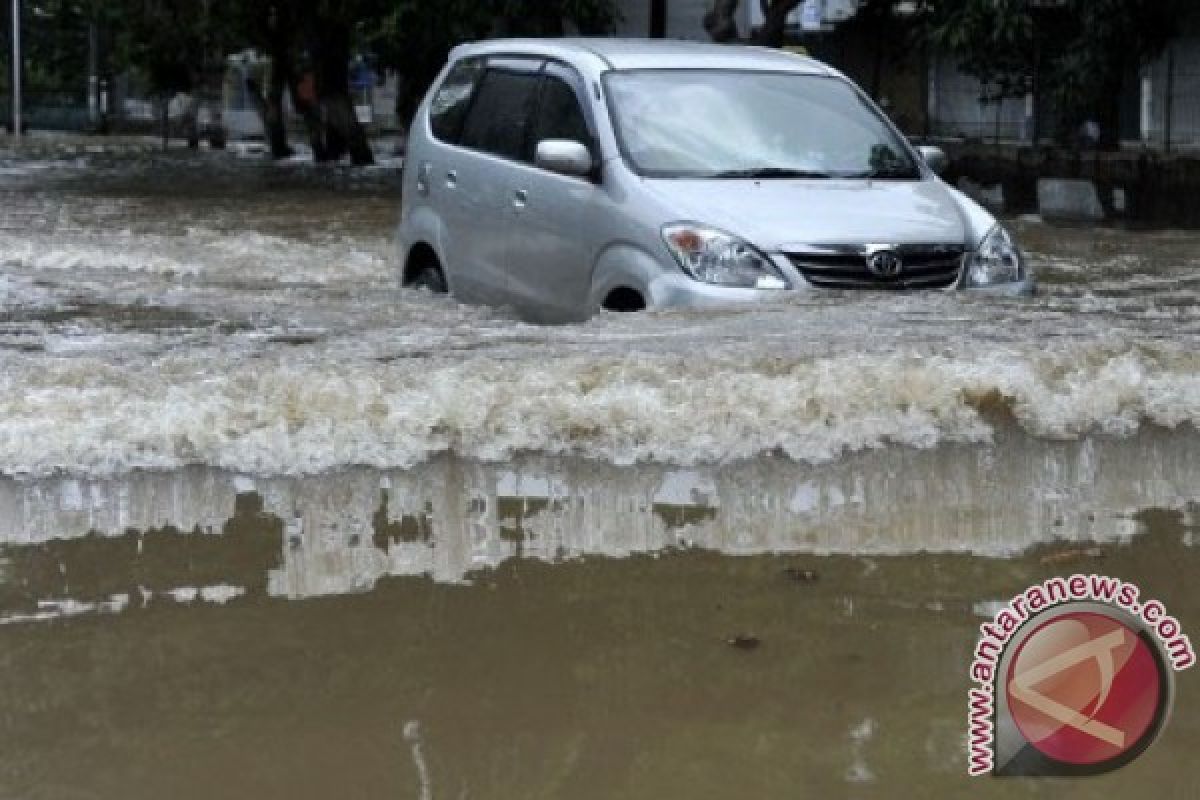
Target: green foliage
993 40
415 36
176 43
54 42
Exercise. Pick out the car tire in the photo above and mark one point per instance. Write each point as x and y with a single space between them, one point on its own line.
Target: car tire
430 278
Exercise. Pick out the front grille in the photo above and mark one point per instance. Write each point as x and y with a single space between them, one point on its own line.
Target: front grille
934 266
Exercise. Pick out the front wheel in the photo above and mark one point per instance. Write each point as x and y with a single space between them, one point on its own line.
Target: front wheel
430 278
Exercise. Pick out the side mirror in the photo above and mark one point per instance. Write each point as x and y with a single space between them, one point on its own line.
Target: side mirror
935 157
565 157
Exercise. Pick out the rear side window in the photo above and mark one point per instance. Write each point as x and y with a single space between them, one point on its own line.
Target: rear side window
449 106
559 114
499 117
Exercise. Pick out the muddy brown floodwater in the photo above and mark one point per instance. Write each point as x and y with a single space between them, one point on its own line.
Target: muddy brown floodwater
273 527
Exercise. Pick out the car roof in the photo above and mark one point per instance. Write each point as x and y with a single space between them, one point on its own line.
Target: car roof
622 54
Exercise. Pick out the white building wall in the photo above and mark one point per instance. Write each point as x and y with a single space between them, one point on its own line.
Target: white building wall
1184 61
955 110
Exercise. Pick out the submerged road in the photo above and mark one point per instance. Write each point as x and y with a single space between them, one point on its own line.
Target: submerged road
272 526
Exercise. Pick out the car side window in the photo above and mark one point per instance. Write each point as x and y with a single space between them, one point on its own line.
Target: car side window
560 115
449 106
499 116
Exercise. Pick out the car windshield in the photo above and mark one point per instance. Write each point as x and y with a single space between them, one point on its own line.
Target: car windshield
740 124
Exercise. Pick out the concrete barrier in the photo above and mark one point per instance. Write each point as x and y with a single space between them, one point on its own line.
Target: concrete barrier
1069 200
990 197
1130 186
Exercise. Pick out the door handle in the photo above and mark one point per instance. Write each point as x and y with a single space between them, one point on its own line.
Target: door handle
520 198
451 179
423 178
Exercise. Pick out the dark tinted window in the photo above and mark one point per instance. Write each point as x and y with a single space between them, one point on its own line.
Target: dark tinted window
500 113
559 114
449 105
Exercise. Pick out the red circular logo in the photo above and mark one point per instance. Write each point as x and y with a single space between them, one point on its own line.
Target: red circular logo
1084 688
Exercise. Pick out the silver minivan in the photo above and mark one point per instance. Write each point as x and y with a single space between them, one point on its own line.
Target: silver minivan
565 176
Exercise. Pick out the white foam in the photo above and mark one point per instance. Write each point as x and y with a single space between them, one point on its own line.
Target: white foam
184 594
66 607
295 352
221 594
201 252
286 413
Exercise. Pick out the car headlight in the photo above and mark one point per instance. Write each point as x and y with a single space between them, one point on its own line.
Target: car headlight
716 257
996 260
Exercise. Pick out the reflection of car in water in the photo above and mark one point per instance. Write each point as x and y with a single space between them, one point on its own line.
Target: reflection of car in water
565 176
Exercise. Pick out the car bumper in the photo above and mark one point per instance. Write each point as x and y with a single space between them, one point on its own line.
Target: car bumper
680 291
1025 288
683 292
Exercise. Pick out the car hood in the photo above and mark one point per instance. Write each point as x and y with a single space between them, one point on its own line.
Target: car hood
785 214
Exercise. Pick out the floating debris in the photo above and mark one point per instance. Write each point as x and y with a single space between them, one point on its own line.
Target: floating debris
744 641
1071 555
801 575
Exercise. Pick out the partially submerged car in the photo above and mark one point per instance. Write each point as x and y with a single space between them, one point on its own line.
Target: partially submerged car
564 176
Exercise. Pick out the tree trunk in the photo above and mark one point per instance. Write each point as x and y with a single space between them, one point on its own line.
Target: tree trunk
270 110
191 123
720 22
277 115
1035 89
164 119
270 104
774 28
311 115
1108 111
877 69
343 132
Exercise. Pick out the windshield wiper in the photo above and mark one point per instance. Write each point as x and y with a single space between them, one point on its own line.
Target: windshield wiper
886 173
769 172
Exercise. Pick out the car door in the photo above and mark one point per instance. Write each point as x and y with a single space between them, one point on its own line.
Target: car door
551 255
438 167
490 147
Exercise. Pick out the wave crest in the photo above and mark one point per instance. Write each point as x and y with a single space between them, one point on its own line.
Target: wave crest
282 413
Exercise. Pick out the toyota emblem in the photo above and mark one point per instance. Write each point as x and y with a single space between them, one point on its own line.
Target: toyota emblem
885 263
